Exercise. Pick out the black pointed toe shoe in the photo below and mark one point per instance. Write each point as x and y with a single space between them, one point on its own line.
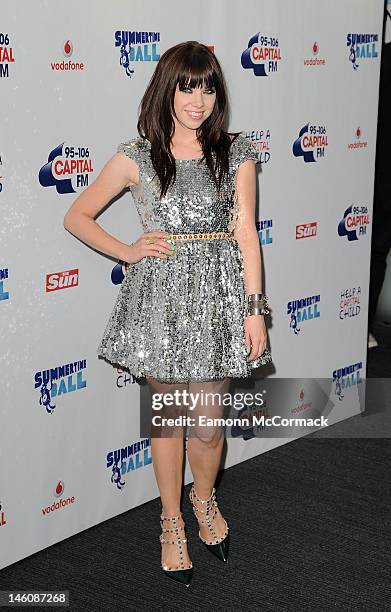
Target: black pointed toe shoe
180 574
218 546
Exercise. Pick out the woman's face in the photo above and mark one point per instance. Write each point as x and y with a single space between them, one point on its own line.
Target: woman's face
193 106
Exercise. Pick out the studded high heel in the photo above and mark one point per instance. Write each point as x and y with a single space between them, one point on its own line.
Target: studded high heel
216 545
180 574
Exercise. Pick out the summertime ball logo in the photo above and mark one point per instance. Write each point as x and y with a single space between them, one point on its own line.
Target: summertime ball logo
68 168
354 222
136 47
262 55
62 380
302 310
362 46
128 459
265 231
4 294
312 143
346 378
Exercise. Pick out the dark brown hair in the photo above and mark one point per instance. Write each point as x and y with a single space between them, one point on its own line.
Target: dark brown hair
190 64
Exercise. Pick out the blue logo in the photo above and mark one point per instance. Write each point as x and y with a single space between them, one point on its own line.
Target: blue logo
64 165
264 229
4 295
303 309
354 222
347 377
62 379
136 47
118 273
311 143
262 55
128 459
362 46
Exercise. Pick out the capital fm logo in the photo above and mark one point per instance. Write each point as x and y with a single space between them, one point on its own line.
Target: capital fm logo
119 272
350 303
4 294
306 230
354 223
303 310
62 280
261 141
346 378
311 143
314 60
60 380
6 55
70 65
67 169
128 459
262 55
362 46
136 46
359 142
265 231
62 502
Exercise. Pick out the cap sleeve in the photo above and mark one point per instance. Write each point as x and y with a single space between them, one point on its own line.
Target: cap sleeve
242 150
134 148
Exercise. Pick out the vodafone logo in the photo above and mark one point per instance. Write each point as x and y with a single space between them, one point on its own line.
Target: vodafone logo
61 503
67 66
306 230
62 280
68 48
59 488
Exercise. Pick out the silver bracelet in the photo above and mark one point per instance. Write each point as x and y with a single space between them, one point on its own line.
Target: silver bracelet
257 304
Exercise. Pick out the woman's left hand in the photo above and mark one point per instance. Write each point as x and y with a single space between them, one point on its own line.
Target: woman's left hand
255 335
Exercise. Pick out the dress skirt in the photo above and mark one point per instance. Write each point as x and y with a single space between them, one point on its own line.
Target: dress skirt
181 319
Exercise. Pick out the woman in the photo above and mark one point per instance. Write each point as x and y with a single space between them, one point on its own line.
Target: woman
190 313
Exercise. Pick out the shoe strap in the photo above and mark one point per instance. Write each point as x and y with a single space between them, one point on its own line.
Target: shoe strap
178 541
210 504
210 513
170 518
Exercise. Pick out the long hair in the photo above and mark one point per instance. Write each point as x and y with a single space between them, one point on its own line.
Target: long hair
190 64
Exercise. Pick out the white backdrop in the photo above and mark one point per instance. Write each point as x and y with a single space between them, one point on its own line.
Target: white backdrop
67 101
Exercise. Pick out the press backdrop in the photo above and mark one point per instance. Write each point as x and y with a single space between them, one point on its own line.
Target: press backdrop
303 82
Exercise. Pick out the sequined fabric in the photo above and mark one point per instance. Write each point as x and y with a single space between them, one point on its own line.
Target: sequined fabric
180 319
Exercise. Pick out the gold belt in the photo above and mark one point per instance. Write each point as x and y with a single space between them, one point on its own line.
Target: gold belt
212 235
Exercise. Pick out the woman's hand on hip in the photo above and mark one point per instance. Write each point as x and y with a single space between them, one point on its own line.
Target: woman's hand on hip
255 335
149 244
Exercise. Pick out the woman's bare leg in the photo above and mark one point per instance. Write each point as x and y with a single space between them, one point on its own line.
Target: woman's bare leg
167 449
205 444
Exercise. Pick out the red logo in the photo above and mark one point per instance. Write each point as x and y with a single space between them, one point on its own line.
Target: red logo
59 488
62 280
68 48
306 230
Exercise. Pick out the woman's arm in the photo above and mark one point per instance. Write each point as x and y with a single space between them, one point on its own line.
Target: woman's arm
118 173
246 235
245 230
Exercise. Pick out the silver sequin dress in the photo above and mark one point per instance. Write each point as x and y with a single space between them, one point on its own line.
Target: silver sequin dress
180 319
